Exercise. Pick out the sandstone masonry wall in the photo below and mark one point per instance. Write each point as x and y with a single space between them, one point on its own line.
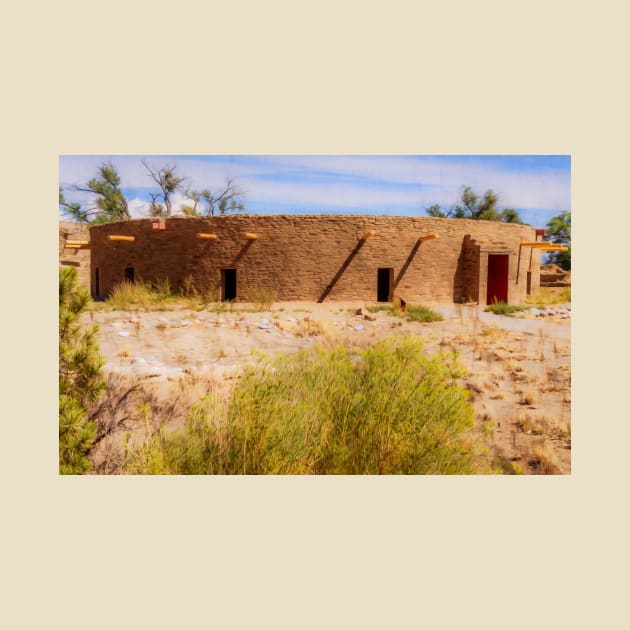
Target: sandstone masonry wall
315 257
79 258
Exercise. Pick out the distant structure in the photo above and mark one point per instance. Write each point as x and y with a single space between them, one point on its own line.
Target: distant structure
313 257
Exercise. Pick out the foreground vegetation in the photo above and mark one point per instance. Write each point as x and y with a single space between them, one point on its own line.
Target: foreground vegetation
383 410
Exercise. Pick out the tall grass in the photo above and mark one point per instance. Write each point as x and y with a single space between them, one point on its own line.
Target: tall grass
548 297
413 312
262 297
127 295
502 308
383 410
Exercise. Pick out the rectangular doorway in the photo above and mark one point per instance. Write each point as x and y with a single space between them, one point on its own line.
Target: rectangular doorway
498 268
384 283
97 283
228 284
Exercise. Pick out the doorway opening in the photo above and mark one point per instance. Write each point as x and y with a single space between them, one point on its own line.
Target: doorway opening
498 267
129 274
97 283
228 284
384 283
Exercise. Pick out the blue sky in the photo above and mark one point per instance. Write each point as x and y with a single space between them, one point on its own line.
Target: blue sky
538 186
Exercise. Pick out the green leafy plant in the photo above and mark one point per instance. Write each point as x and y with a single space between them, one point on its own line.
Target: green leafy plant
80 380
383 410
502 308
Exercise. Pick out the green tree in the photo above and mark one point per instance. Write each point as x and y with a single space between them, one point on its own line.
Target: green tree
472 206
109 204
229 199
559 231
169 183
80 380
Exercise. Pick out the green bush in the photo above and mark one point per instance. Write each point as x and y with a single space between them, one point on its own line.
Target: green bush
383 410
80 381
127 295
262 297
417 313
502 308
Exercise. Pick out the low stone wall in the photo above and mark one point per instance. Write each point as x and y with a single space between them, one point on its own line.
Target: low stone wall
315 257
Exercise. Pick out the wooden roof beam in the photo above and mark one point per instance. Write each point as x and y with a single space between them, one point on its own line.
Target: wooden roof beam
368 235
249 236
427 237
119 237
71 242
208 237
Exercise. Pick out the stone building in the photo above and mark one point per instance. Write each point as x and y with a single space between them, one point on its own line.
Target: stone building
74 256
321 257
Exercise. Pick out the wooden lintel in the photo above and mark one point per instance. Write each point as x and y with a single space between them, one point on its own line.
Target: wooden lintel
118 237
209 237
249 236
367 235
427 237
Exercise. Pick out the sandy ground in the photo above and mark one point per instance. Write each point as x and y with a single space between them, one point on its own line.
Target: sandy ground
519 367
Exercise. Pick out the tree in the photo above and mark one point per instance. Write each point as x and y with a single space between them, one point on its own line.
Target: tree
559 231
169 182
109 204
472 206
207 202
72 210
80 380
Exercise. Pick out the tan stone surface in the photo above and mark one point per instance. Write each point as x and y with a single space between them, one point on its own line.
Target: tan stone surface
311 257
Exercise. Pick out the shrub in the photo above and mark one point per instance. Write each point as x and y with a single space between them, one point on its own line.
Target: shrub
80 382
126 295
502 308
417 313
262 297
386 409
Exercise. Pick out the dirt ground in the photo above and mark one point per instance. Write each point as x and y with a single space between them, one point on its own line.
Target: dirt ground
519 367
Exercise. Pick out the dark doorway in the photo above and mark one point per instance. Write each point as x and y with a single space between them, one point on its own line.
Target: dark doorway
384 282
228 284
97 283
129 274
498 266
529 283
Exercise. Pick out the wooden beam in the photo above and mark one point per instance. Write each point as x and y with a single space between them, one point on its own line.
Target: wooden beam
555 248
534 244
367 235
427 237
209 237
71 242
73 246
118 237
249 236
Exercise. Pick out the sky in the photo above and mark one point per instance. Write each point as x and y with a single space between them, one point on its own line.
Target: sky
538 186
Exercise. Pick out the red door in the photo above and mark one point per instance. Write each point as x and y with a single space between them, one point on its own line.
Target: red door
498 266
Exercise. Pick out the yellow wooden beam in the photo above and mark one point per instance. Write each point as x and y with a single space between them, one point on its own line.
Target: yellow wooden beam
73 246
427 237
209 237
367 235
71 242
536 244
118 237
555 248
249 236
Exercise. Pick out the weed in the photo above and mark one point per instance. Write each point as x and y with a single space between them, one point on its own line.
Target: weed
386 409
502 308
418 313
262 297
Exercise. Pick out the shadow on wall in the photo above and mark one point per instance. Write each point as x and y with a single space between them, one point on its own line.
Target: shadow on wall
405 266
466 279
341 271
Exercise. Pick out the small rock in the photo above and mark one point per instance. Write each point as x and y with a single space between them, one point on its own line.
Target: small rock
369 318
123 333
358 327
